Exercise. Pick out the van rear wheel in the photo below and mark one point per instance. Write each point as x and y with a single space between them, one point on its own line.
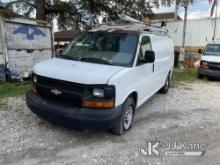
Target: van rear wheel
125 121
166 86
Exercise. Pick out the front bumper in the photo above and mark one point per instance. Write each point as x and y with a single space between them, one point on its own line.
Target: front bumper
76 118
210 73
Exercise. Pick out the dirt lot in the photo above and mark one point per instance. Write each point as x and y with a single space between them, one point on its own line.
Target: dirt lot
189 113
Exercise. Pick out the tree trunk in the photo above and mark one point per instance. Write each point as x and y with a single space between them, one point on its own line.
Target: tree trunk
40 10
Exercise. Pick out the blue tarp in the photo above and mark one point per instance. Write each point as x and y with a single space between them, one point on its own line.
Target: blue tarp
4 73
191 56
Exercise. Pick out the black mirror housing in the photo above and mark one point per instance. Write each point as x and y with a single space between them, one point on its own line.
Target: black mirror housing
149 56
200 51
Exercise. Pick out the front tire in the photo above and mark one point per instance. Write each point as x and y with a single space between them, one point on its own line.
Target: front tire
124 124
166 86
200 76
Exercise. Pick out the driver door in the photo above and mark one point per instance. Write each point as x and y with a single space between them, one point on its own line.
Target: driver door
147 80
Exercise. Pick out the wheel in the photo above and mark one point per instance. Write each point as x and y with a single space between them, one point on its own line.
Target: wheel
200 76
210 78
125 121
166 86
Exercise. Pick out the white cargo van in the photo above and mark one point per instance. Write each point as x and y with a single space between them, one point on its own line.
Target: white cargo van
210 61
101 79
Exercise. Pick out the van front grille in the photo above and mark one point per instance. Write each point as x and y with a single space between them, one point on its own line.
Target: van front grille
214 66
70 94
61 100
60 84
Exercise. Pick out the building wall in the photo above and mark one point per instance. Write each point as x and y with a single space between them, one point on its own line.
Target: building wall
197 32
25 42
27 45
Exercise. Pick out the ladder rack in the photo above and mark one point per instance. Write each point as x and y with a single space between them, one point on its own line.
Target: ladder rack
126 22
134 26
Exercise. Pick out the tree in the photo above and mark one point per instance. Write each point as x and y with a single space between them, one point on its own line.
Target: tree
82 13
41 10
65 11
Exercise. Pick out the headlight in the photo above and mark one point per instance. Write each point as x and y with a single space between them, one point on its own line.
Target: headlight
98 92
204 63
34 78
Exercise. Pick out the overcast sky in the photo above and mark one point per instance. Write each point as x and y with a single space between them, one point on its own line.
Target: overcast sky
200 9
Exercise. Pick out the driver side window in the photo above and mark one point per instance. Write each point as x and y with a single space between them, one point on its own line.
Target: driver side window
145 45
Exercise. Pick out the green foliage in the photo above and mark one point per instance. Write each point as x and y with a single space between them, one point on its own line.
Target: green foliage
184 75
83 13
8 13
11 90
66 13
178 2
24 7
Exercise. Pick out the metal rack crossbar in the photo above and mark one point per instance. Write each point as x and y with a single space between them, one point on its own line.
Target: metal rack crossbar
128 23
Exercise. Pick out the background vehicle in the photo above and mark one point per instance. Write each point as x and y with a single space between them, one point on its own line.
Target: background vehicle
103 76
210 61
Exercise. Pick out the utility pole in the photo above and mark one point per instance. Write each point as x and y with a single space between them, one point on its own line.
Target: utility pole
216 16
182 51
176 10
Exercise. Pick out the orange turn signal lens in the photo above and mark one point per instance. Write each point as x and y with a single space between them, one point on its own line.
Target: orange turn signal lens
98 104
34 90
205 66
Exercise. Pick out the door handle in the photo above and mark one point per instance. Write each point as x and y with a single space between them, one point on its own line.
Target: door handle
153 67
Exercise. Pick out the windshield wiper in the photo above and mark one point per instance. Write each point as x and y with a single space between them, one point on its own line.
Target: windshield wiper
86 59
70 57
95 60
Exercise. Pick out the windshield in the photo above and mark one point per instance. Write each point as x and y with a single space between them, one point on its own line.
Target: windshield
103 47
212 49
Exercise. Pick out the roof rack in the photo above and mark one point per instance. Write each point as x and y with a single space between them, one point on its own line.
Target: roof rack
157 29
126 22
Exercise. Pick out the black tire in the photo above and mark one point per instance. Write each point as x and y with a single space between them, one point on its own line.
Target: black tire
200 76
166 86
210 78
120 127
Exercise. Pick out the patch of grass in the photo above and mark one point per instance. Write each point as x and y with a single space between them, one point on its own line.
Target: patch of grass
184 75
11 90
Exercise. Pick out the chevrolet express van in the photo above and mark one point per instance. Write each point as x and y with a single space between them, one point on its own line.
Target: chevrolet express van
210 61
102 78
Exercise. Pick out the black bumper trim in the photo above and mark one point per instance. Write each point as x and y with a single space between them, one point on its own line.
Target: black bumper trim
208 72
76 118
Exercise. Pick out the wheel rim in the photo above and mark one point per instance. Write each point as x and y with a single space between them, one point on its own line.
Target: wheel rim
167 84
128 117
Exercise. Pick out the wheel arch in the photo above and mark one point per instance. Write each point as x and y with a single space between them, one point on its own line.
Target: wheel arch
133 95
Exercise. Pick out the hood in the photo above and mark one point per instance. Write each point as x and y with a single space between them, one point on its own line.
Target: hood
76 71
210 58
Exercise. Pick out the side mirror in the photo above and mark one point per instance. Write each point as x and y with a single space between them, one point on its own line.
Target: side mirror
149 56
163 24
200 51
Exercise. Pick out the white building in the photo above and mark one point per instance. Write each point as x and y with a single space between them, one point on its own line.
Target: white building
198 32
23 43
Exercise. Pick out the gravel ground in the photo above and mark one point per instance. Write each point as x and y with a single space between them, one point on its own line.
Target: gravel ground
189 113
